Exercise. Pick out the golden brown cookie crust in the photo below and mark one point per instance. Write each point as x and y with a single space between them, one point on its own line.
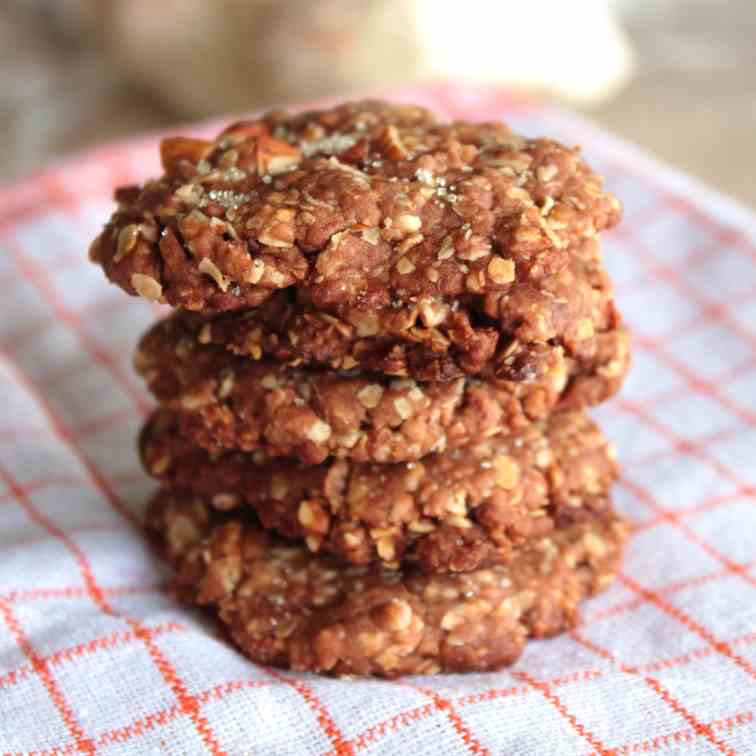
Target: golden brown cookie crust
287 607
362 205
233 402
429 338
451 512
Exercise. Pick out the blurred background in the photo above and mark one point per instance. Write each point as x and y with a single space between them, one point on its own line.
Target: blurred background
676 76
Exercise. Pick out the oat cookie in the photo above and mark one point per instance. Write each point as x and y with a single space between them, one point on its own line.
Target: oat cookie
285 606
233 402
428 339
451 512
366 204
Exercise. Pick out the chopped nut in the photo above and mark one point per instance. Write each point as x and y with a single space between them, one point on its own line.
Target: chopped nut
385 548
411 241
305 514
393 147
403 408
275 156
421 526
175 149
416 394
399 615
460 522
476 281
127 239
319 431
370 395
594 545
256 273
273 241
348 440
447 248
474 249
501 271
432 312
544 458
409 224
352 540
279 231
147 287
546 172
404 266
507 472
208 267
313 543
372 235
182 533
457 503
453 618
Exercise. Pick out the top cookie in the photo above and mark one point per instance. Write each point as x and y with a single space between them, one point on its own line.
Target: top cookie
367 204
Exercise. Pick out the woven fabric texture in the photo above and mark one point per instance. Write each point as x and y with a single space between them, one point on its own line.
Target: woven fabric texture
96 656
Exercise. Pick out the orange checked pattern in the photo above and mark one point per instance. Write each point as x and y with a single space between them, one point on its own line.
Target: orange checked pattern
95 655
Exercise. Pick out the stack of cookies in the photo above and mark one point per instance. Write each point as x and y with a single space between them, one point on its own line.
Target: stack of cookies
371 434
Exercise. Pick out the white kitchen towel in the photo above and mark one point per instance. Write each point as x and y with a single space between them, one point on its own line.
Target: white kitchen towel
95 654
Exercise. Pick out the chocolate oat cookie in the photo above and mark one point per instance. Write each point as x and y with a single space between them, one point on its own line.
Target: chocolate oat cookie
233 402
428 339
367 204
450 512
288 607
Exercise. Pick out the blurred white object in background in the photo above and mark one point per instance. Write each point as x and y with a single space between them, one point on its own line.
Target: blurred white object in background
239 54
78 71
576 51
232 55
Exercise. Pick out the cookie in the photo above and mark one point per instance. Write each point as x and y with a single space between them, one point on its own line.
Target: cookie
450 512
365 204
232 402
287 607
429 339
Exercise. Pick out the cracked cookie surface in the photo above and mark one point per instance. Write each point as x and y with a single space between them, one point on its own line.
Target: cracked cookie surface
451 512
232 402
430 338
364 205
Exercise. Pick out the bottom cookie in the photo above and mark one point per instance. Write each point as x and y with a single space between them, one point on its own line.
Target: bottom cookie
288 607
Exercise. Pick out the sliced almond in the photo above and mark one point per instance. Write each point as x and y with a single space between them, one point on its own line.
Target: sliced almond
147 287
